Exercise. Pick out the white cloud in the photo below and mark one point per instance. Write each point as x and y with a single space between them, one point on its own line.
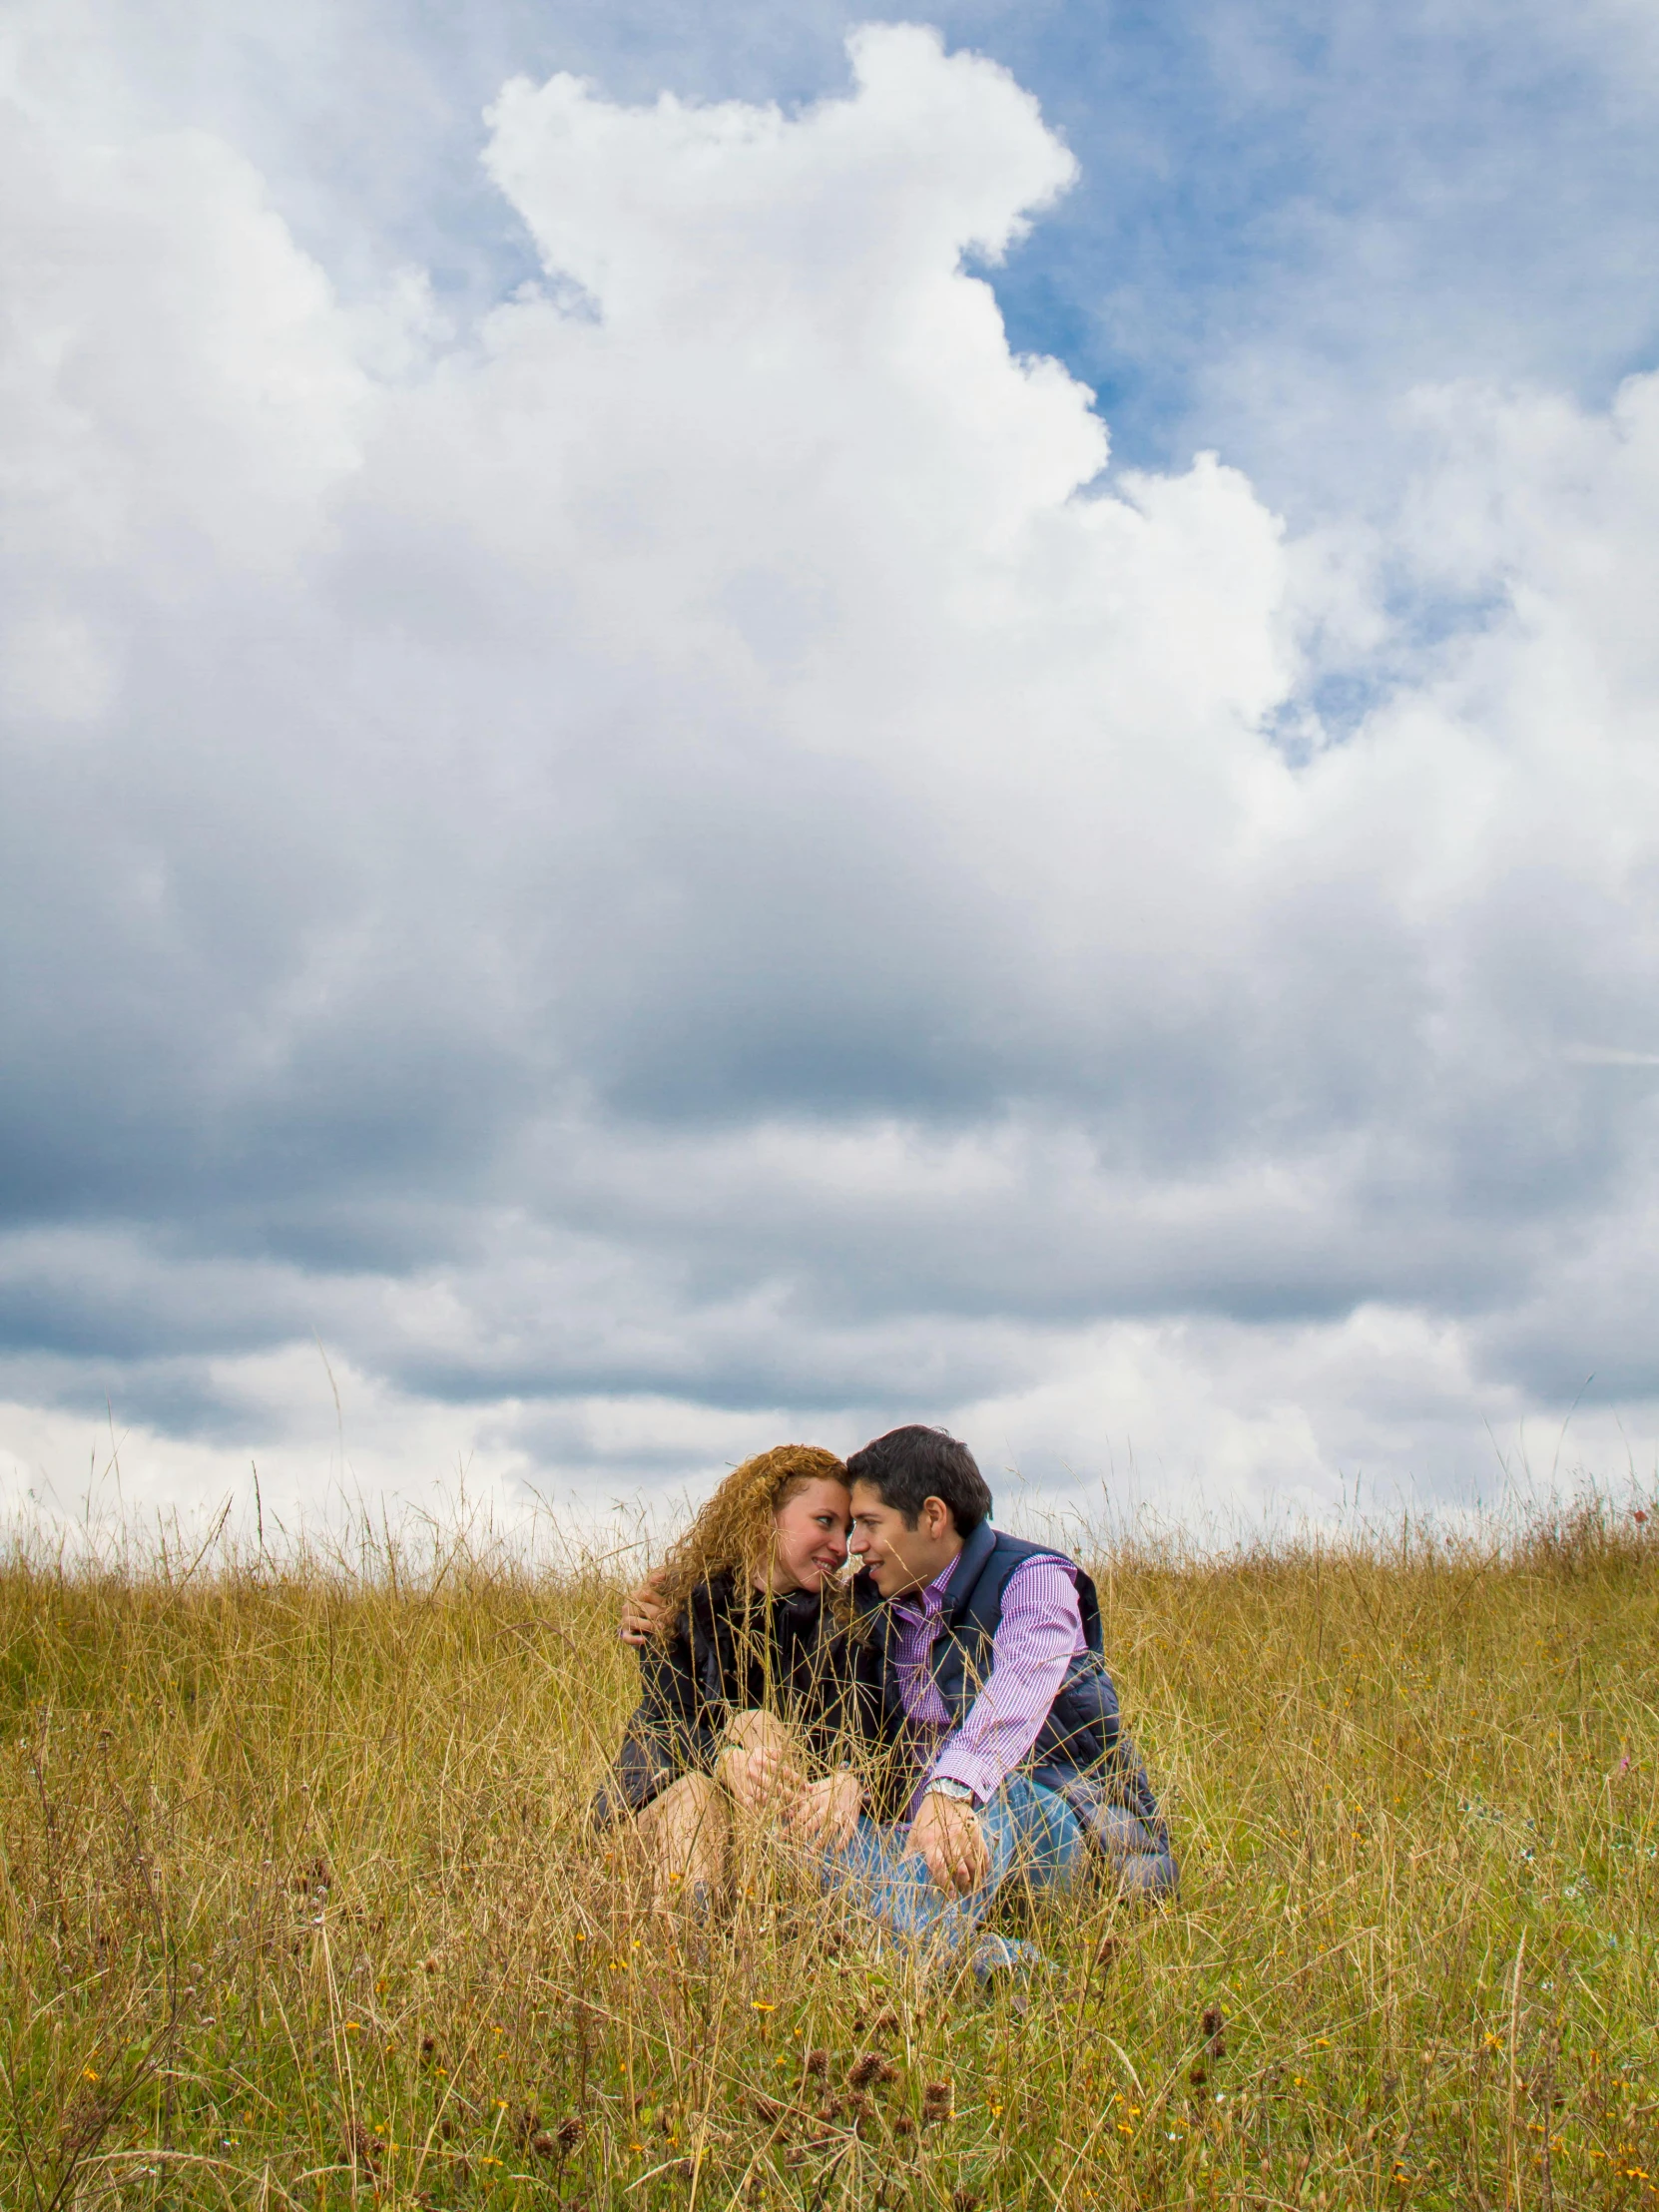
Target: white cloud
681 863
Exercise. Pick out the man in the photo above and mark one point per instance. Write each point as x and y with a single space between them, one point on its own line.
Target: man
983 1661
991 1672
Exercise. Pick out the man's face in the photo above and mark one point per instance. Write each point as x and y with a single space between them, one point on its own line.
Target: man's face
901 1558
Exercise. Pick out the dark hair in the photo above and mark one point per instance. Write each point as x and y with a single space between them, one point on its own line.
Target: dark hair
907 1467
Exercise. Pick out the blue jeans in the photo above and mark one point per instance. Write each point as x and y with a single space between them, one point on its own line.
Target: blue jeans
1031 1834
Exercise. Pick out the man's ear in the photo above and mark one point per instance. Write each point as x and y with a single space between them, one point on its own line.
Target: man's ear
941 1519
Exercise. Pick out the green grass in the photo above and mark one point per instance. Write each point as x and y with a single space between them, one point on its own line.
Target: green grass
300 1909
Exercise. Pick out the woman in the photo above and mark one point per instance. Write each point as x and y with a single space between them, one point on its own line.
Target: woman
745 1681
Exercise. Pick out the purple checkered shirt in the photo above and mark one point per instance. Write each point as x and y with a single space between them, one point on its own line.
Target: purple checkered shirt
1040 1634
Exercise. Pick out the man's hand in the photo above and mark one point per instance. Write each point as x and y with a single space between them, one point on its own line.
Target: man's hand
948 1836
764 1781
827 1812
642 1611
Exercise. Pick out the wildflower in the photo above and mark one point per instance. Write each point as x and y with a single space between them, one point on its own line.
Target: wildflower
87 2073
758 2004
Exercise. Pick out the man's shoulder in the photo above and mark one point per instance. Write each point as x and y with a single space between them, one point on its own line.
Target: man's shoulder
1018 1550
1028 1577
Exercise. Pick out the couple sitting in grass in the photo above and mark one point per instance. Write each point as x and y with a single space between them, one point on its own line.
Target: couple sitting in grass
925 1732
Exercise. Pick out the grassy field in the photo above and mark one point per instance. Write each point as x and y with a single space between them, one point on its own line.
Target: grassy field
300 1909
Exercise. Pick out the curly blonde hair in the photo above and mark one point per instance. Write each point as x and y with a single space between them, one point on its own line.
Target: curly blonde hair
735 1532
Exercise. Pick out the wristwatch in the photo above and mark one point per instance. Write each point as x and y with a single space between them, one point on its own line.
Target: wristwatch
958 1791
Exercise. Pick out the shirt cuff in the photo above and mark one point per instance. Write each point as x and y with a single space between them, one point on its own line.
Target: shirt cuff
957 1764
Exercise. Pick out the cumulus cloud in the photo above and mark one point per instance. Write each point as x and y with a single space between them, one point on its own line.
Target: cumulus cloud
687 859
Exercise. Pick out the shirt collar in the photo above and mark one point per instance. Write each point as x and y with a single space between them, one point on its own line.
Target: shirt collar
928 1605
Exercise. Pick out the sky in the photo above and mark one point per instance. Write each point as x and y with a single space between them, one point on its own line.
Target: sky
725 722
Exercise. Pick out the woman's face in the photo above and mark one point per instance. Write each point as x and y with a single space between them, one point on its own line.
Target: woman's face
811 1529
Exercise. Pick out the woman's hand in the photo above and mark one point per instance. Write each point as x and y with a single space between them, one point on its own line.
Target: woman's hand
827 1812
642 1611
947 1833
763 1781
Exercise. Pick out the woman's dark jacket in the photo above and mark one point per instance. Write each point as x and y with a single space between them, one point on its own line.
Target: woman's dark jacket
783 1655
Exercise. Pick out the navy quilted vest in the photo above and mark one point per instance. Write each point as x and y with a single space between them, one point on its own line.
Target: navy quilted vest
1083 1737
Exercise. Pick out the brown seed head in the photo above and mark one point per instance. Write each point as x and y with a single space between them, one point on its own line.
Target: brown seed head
543 2144
571 2131
1214 2024
937 2101
871 2067
816 2062
360 2148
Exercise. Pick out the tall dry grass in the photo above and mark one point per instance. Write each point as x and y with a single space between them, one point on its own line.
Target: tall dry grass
300 1907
